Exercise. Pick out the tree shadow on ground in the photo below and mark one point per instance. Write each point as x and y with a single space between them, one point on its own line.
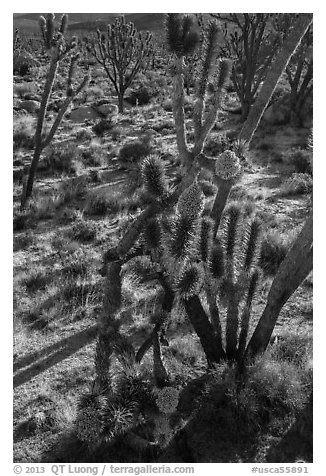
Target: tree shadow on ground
38 362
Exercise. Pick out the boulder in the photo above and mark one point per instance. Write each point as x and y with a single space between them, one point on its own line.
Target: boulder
29 105
83 113
108 110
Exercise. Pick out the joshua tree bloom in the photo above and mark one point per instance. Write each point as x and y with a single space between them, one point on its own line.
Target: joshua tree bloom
167 399
227 165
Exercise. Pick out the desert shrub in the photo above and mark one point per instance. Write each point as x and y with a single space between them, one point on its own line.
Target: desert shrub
94 156
140 96
274 248
24 130
297 184
217 145
78 292
164 125
36 280
102 127
21 221
23 241
293 347
22 68
44 207
101 205
116 133
134 151
301 160
76 265
264 146
185 349
84 231
269 395
72 189
276 157
64 157
83 135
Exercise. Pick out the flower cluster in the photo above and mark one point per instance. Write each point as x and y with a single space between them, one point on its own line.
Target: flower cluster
191 201
227 165
167 399
88 425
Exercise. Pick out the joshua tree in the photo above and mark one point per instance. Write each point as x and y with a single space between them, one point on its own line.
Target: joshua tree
58 48
277 67
122 52
187 253
299 72
251 43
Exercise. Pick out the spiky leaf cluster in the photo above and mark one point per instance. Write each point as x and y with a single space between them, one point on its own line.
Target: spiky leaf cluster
52 36
182 37
208 56
240 247
227 166
120 417
154 178
153 233
233 217
216 260
251 238
191 201
205 241
190 280
129 385
180 242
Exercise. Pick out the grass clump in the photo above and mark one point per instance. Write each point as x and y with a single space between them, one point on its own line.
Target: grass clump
274 248
23 241
94 156
141 96
101 205
267 397
297 184
102 127
63 158
301 160
84 231
23 134
36 280
21 221
134 152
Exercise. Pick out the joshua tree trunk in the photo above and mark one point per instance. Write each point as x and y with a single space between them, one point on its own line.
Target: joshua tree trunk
120 103
293 270
39 129
277 67
224 189
203 328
